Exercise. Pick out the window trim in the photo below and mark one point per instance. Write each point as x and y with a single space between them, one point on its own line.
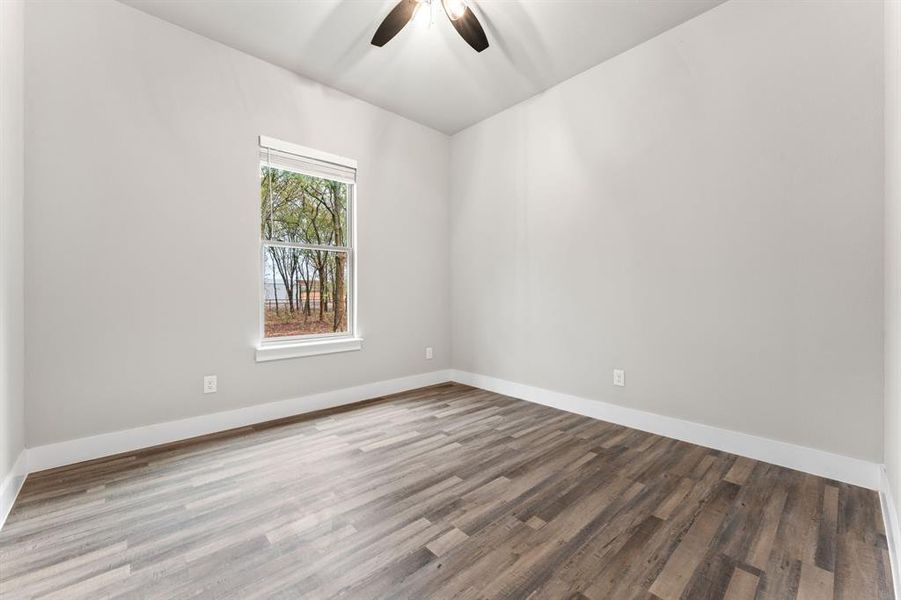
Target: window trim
282 350
276 348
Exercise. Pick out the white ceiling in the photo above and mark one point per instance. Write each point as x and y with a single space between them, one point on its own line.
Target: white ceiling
428 73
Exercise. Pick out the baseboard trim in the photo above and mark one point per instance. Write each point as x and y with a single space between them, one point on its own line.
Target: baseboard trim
809 460
107 444
892 531
817 462
11 484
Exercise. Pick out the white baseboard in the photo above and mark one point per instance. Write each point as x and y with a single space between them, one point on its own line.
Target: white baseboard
817 462
11 484
106 444
892 531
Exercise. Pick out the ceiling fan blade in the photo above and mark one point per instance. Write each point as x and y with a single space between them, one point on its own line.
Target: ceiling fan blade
399 16
470 29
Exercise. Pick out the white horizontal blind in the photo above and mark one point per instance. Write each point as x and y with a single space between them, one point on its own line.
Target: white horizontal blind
286 161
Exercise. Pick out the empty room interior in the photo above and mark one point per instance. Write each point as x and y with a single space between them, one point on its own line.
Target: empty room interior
450 299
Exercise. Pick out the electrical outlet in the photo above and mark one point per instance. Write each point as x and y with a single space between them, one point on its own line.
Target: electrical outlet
209 384
619 377
428 353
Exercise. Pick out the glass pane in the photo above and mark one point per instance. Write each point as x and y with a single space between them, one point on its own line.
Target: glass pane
302 208
305 292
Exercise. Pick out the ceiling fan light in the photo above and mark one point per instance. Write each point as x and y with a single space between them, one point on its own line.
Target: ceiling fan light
454 9
422 14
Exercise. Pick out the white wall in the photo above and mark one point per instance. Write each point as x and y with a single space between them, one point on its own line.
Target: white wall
12 409
142 224
703 211
726 172
893 245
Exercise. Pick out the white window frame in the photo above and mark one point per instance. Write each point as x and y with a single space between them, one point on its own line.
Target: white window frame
277 348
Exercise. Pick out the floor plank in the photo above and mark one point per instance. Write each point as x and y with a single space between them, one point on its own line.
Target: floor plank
443 492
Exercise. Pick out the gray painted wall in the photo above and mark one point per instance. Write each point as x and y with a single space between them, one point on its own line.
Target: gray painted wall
704 211
142 224
12 340
893 245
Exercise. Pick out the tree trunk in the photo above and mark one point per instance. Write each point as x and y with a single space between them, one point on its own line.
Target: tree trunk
323 289
339 322
319 292
289 292
306 305
274 289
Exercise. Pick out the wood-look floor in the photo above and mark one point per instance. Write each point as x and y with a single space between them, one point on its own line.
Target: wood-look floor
445 492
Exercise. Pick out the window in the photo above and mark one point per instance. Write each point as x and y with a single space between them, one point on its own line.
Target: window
307 253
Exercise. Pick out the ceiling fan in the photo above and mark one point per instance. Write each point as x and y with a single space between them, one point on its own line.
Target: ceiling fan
460 15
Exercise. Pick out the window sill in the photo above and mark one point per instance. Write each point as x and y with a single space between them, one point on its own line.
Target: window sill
297 349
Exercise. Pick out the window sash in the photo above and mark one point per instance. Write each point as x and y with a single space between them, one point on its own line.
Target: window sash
350 293
348 215
304 246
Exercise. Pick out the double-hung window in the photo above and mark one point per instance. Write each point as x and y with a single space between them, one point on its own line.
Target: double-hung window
307 251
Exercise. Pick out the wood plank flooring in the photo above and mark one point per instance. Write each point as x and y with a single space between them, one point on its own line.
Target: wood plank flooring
443 492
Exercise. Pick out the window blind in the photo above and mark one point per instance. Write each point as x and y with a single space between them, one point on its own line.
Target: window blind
306 162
